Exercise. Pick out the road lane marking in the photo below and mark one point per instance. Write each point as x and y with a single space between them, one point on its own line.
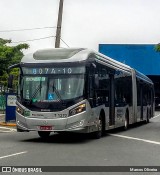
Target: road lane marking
6 129
15 154
156 116
134 138
1 127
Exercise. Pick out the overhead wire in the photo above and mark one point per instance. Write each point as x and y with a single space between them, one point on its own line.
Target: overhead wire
64 42
36 39
21 30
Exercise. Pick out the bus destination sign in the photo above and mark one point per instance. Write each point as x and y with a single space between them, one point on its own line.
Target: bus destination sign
56 70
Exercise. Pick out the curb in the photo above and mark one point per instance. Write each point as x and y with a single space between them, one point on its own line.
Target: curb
7 124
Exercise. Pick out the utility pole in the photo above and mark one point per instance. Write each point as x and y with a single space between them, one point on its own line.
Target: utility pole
59 22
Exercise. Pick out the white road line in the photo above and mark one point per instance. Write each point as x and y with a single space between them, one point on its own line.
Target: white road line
11 129
134 138
13 154
6 131
156 116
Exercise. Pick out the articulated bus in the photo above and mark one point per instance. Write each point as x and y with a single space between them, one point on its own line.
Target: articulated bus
80 90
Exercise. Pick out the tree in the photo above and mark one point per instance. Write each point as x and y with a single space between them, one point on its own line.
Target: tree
157 47
9 55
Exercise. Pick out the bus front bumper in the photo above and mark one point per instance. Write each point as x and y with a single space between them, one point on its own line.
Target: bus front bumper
74 124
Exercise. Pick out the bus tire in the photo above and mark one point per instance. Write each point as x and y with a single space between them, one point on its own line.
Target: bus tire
126 122
44 134
98 134
147 117
20 130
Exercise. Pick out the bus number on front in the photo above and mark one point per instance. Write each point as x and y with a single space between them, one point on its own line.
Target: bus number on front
60 115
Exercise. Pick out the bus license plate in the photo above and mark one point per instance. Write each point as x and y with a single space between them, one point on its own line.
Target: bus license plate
46 128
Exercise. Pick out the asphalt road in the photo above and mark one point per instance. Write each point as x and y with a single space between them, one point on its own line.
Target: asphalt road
138 146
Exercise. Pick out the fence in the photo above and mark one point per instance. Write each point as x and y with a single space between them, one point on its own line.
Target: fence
3 90
2 102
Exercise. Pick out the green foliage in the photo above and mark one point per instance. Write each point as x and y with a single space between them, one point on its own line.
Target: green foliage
15 73
157 47
10 55
3 79
3 41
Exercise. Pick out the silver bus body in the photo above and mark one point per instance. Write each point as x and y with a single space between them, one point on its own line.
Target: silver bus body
83 115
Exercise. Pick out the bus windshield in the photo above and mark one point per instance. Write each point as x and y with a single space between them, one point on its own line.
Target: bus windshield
52 88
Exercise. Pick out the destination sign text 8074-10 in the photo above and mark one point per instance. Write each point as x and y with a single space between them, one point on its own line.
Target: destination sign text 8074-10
56 70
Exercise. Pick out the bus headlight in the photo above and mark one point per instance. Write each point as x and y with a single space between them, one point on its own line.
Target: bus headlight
78 109
19 110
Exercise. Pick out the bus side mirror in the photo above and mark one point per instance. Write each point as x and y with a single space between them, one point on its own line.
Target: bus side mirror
10 81
96 81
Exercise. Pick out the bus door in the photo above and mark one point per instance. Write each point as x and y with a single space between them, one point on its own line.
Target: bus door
139 100
111 101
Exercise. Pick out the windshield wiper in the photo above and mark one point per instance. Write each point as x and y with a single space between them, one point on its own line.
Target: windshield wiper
35 92
57 93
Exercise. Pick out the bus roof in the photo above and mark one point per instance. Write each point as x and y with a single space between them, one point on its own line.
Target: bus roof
60 55
69 55
56 55
143 77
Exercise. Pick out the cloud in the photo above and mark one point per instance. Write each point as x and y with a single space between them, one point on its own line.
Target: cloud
85 23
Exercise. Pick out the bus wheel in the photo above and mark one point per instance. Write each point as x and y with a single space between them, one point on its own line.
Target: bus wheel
44 134
126 122
147 117
98 134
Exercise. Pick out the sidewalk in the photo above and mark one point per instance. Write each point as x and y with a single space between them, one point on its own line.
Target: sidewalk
4 123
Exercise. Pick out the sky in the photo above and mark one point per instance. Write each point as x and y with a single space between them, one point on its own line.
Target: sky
85 23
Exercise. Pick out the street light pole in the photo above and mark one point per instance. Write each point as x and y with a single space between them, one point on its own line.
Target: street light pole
59 23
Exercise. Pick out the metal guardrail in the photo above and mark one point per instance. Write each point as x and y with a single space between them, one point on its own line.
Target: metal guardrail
2 102
3 90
